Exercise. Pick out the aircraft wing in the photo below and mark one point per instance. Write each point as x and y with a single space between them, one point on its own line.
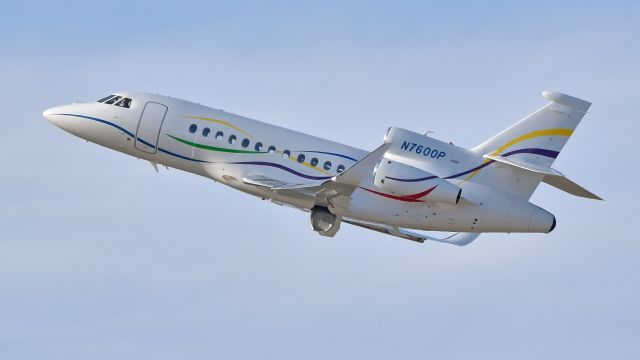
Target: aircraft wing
330 192
337 191
275 184
460 239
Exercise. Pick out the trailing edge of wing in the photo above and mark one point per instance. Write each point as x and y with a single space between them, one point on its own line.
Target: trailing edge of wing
274 184
459 239
351 178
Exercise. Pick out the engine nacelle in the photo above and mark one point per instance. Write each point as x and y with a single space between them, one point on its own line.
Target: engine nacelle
411 183
324 222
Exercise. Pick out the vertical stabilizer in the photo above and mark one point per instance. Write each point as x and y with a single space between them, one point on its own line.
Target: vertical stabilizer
536 139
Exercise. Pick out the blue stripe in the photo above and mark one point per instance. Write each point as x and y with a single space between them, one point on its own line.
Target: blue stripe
471 170
133 136
111 124
412 180
183 157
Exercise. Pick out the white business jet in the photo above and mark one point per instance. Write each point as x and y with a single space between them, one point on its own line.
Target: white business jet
410 184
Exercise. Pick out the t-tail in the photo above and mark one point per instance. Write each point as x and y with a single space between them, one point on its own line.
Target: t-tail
520 157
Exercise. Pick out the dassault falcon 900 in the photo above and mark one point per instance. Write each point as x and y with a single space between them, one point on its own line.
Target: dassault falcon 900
410 184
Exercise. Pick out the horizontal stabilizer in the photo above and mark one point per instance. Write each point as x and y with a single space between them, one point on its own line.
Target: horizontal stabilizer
551 176
460 239
566 185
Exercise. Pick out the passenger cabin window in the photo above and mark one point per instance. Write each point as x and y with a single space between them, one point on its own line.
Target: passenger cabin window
232 139
301 158
258 146
193 128
327 165
314 162
340 169
245 143
219 135
272 149
286 154
205 132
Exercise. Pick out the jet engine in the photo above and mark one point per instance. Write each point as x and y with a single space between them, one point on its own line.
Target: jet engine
407 181
324 222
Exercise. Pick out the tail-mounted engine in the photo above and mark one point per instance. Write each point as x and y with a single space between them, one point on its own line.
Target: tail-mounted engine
407 181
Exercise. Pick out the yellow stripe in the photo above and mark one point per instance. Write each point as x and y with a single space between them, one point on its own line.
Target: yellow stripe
307 165
531 135
222 122
315 168
527 136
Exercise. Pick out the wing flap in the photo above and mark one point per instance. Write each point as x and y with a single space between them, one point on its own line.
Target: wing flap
274 184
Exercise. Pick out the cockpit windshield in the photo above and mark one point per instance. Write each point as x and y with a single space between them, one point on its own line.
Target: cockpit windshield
113 100
117 101
125 103
105 98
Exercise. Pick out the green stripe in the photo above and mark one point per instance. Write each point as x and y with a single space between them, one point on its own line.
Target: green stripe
213 148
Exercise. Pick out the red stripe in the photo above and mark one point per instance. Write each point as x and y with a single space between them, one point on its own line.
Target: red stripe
406 198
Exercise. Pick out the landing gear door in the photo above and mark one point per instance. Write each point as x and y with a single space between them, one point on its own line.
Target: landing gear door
149 127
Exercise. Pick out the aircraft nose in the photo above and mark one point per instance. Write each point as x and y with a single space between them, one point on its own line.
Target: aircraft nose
51 115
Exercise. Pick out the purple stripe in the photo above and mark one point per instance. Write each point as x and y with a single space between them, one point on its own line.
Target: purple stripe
548 153
281 167
544 152
412 180
470 171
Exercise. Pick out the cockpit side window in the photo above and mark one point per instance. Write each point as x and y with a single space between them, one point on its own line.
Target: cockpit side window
125 103
113 100
105 98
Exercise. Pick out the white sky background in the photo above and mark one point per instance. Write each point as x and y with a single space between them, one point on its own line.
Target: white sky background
102 258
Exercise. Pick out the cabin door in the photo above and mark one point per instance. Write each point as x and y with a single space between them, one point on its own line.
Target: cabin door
149 127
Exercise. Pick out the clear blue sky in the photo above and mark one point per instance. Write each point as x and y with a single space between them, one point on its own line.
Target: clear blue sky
102 258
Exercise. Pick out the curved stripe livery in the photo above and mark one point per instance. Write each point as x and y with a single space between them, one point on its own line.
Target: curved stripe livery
235 151
407 198
543 152
281 167
221 122
412 180
165 151
531 135
214 148
519 139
